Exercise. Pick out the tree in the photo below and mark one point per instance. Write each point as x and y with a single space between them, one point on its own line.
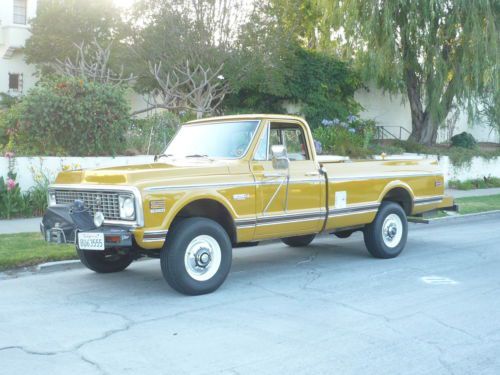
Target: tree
436 53
60 24
184 50
92 64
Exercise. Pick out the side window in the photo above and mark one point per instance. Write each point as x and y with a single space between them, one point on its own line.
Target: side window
261 152
292 136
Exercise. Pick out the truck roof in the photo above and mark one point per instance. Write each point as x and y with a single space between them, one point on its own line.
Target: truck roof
246 117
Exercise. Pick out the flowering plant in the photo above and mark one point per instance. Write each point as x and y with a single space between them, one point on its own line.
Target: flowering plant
350 136
11 199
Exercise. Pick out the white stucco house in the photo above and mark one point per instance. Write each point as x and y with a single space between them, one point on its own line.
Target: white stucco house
15 75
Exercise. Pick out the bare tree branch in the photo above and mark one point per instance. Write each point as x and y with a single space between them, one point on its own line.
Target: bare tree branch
94 68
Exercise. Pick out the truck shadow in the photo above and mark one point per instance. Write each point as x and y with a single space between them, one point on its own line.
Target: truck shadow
250 264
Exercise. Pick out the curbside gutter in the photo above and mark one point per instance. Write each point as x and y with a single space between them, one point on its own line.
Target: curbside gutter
62 265
458 216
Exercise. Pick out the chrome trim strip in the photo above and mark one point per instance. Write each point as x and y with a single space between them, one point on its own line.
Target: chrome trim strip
355 209
155 232
154 239
429 198
154 236
394 175
290 221
219 184
228 184
350 209
138 222
354 213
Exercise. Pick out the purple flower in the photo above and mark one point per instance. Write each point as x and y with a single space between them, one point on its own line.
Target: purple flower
351 118
11 184
352 130
336 121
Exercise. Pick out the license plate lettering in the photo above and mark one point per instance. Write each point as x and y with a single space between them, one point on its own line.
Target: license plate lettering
91 241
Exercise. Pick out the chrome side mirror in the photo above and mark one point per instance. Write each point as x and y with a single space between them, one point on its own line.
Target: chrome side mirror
279 157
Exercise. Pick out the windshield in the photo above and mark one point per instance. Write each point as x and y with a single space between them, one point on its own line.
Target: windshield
227 140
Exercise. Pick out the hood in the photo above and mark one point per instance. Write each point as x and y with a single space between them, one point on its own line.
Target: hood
136 175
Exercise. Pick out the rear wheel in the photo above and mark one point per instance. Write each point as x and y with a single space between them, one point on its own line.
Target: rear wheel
386 236
100 262
196 257
298 241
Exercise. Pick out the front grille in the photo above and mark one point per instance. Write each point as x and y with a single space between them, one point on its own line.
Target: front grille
105 201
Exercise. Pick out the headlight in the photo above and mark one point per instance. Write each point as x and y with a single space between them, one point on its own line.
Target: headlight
51 198
127 207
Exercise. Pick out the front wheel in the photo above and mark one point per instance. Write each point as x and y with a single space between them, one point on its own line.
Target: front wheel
298 241
386 236
196 257
100 262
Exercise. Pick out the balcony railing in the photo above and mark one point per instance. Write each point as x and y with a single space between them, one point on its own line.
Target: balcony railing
391 132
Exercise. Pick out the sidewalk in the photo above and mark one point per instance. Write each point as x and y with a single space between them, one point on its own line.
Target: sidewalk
20 225
33 224
472 193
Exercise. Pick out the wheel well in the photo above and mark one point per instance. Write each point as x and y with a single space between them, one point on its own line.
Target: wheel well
400 196
209 209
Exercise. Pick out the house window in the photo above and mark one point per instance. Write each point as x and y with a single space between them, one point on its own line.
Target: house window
15 82
20 7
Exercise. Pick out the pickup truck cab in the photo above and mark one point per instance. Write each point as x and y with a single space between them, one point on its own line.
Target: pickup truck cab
233 180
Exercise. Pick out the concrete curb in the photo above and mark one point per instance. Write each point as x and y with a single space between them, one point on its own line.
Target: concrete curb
62 265
486 213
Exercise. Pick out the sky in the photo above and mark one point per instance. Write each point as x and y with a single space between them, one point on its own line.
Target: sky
124 3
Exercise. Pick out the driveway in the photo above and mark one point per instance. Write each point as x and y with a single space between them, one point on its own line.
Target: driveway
325 309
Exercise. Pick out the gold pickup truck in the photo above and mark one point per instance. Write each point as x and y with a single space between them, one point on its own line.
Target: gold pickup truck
229 181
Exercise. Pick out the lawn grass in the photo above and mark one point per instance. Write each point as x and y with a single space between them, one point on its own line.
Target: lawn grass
28 249
472 205
478 183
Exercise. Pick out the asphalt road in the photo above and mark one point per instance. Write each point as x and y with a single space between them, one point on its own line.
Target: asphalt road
325 309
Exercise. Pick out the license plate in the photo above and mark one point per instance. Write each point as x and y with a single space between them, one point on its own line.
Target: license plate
91 241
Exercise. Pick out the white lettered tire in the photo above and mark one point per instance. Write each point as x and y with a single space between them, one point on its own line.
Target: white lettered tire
197 256
386 236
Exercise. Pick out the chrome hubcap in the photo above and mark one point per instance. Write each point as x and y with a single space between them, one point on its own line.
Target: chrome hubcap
392 230
202 258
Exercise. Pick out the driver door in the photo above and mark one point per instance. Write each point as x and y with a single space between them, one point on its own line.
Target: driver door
287 201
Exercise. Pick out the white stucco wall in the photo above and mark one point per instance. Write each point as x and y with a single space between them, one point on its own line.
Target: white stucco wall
16 64
392 110
27 167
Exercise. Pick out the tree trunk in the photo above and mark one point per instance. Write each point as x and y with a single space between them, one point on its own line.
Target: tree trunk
423 128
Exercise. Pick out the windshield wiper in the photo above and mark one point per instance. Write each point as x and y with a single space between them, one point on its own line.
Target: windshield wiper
162 156
197 156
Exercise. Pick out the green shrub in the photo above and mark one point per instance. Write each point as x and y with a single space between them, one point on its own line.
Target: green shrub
320 84
464 139
350 138
477 183
71 116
